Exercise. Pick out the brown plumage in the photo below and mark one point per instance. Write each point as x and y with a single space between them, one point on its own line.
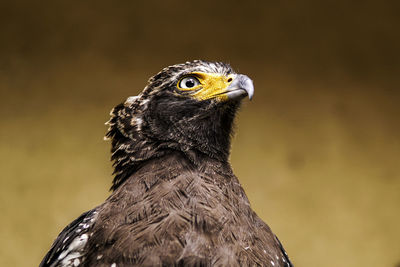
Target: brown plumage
175 199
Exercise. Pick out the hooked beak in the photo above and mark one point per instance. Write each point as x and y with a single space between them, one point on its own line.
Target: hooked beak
240 87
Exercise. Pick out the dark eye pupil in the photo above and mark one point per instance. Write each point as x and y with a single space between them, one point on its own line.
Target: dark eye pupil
190 83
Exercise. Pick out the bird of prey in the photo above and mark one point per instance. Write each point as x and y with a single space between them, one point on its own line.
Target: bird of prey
175 200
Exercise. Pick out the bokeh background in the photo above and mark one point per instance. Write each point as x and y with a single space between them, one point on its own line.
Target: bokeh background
317 150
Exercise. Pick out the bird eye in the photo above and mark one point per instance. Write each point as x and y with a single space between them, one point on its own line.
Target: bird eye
189 82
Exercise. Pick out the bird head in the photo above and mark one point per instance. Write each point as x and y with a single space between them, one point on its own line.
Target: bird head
187 107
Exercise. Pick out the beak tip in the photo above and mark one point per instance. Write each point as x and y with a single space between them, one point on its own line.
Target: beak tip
249 87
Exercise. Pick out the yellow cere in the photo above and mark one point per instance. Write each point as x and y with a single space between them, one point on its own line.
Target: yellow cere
212 85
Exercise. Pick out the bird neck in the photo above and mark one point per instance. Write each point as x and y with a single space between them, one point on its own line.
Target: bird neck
201 139
200 128
174 161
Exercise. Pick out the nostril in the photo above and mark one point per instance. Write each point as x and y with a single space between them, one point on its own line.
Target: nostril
229 80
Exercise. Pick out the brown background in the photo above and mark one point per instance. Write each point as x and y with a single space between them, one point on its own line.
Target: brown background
317 150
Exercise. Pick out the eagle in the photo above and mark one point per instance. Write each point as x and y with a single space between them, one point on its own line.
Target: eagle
175 200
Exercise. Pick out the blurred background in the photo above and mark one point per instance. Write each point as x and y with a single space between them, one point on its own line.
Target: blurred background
317 150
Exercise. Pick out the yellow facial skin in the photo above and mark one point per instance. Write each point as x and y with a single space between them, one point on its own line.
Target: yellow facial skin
211 85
